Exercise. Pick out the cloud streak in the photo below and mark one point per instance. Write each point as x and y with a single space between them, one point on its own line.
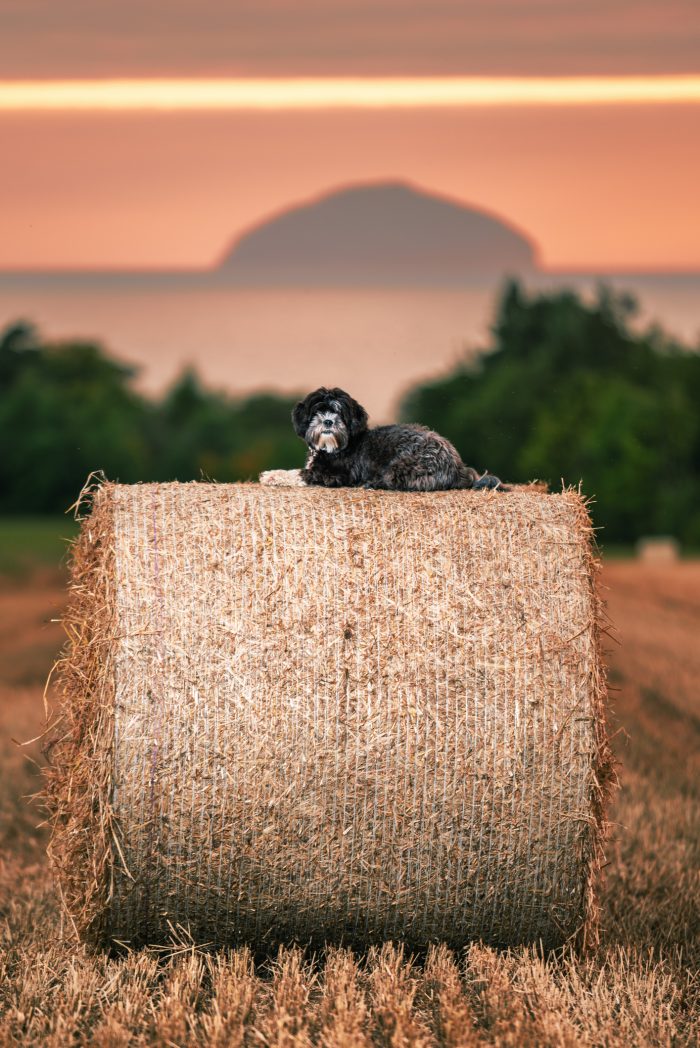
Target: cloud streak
323 93
133 38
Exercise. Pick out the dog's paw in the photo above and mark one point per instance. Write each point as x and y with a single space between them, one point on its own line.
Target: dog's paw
283 478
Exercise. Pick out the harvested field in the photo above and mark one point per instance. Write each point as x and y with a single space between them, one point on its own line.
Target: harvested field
640 988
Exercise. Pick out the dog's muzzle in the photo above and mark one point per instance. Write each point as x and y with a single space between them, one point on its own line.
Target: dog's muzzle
326 433
326 441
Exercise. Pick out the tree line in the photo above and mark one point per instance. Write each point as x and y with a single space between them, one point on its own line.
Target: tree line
566 389
67 408
573 391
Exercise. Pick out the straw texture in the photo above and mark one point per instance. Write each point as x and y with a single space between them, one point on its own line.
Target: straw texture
304 714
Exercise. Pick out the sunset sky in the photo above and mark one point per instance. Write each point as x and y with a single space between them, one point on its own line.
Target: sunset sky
98 175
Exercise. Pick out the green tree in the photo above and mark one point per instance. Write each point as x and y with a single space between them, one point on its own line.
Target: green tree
67 409
200 432
570 391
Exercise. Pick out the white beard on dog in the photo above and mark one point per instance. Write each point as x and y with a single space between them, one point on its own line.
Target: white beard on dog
327 442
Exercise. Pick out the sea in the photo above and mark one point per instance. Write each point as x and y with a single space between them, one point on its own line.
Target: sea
375 342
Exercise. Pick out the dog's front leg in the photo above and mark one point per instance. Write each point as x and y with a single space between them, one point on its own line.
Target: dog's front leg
322 479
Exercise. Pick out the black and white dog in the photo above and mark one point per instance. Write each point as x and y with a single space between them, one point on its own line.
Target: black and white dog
344 452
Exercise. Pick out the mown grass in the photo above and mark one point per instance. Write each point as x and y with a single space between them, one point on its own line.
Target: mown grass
641 987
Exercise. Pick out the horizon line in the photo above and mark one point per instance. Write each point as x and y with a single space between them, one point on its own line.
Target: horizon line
539 270
174 94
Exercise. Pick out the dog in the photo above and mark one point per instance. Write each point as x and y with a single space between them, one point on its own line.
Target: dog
345 452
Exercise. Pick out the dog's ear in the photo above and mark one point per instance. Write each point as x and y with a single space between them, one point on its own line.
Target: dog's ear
358 418
300 417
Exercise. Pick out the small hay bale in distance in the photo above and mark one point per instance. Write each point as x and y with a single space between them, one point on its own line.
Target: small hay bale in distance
313 715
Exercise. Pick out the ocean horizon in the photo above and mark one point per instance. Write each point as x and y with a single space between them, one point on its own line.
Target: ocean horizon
375 341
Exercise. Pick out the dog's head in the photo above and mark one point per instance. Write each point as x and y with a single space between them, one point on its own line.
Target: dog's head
328 419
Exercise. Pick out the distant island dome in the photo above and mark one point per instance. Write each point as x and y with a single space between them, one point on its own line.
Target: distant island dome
380 234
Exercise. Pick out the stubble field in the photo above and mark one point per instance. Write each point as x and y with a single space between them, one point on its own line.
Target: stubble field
641 987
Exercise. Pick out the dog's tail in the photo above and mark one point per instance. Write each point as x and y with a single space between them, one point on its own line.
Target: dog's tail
470 478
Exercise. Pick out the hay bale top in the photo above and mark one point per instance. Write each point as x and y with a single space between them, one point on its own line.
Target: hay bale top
303 713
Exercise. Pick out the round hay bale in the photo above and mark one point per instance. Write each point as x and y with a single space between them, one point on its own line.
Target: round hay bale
315 715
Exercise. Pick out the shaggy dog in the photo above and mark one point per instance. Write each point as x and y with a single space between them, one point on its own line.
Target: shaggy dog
344 452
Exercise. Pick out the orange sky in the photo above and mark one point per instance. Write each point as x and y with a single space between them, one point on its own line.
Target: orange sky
611 187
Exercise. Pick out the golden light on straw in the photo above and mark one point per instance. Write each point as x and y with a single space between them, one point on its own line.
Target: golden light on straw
344 93
233 761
